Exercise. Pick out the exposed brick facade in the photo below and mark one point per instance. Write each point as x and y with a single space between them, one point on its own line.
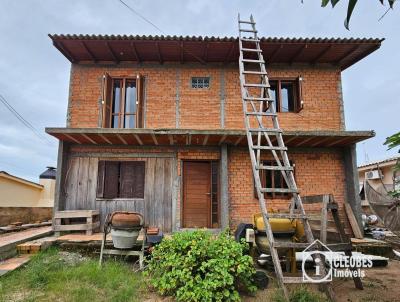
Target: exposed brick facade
201 108
170 102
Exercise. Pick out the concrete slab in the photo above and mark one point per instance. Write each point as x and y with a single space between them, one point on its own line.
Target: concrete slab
13 263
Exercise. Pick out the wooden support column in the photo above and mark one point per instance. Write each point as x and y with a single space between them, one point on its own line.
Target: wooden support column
222 98
62 162
352 184
224 183
177 98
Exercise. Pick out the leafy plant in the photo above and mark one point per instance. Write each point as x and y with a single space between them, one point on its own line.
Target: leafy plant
393 142
351 6
197 266
299 294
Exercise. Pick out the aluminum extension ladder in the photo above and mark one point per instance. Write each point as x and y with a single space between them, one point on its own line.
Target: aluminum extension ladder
264 136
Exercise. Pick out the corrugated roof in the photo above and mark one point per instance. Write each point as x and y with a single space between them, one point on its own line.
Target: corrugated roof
342 52
393 158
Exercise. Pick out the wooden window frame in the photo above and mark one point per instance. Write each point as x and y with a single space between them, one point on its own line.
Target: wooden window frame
298 92
108 96
272 177
102 180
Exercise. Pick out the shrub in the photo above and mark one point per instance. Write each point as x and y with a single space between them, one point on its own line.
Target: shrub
197 266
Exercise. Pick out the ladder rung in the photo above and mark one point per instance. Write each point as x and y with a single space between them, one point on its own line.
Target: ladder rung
248 30
278 190
290 245
289 216
271 130
251 50
246 22
252 61
261 113
254 72
250 40
276 148
275 168
258 99
256 85
293 280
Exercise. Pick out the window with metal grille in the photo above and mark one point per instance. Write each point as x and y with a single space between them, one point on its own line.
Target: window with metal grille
200 82
121 179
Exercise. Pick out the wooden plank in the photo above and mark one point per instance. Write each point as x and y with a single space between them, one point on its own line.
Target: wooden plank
324 218
76 227
167 195
71 186
92 184
149 192
353 221
81 194
76 213
158 188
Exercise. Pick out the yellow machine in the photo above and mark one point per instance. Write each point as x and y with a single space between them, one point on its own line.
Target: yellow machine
284 229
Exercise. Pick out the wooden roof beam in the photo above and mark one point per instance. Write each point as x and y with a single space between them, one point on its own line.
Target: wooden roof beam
188 139
298 54
122 139
336 142
222 139
64 51
304 141
347 53
238 140
171 139
105 139
205 51
90 53
89 138
159 53
153 136
275 52
205 140
138 139
73 138
182 53
230 52
135 52
114 56
322 54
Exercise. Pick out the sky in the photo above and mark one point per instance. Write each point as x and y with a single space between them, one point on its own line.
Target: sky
34 76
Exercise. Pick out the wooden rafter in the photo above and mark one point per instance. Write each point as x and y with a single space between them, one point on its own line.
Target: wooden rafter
122 139
205 51
182 53
153 136
347 53
105 139
322 54
298 53
60 46
114 56
73 138
205 140
90 53
89 138
239 140
304 141
135 52
138 139
222 139
275 52
160 58
320 141
171 139
230 52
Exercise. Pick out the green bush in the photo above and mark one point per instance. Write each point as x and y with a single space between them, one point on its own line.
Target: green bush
197 266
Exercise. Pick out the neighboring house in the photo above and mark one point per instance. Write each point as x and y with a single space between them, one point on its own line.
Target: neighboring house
155 125
24 201
381 175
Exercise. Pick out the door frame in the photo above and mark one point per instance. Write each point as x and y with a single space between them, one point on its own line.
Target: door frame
209 206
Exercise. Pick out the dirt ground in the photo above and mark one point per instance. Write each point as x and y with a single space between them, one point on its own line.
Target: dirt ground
380 284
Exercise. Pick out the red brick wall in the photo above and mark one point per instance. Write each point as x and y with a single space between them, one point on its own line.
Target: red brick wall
320 172
200 108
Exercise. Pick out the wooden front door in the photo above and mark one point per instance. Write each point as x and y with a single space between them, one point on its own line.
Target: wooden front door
196 194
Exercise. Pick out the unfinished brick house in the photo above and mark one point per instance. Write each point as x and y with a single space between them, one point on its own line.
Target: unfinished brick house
155 125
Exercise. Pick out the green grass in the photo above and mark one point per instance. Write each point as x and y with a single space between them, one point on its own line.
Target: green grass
50 277
299 294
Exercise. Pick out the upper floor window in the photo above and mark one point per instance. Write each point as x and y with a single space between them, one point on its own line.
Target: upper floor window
123 105
200 82
287 94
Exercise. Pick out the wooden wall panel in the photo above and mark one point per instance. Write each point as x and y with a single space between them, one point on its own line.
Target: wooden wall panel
81 184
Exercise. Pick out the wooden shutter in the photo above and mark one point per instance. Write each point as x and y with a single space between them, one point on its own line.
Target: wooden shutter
140 101
107 101
100 179
299 102
111 179
132 179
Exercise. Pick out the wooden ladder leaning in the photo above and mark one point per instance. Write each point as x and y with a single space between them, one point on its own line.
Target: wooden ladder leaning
266 138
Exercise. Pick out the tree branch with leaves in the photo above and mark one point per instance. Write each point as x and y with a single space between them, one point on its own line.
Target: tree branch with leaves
393 142
351 5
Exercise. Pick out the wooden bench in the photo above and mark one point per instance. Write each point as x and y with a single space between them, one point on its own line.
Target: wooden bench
63 221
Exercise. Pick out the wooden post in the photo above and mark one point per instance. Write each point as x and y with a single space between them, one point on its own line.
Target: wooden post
224 197
60 177
324 218
352 185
